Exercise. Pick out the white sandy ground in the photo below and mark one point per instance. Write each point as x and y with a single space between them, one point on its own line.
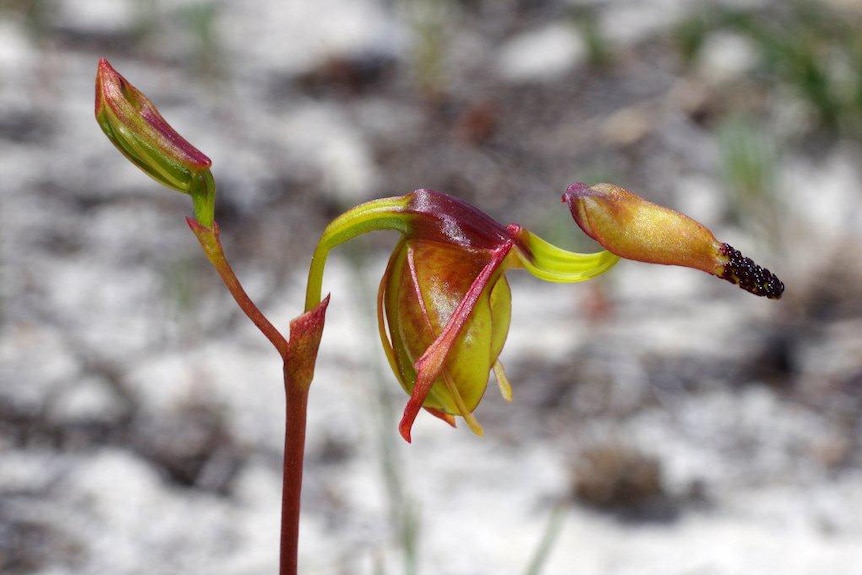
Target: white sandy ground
770 504
484 502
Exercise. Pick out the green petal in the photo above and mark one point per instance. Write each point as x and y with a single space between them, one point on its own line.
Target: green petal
550 263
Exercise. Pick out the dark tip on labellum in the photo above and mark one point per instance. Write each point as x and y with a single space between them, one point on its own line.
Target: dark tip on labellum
748 275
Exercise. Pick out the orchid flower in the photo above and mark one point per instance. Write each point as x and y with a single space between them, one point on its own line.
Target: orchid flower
444 304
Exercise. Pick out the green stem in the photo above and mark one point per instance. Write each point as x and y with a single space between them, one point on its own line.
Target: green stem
552 531
203 193
383 214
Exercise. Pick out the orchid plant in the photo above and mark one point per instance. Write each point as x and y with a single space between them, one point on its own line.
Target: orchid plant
444 304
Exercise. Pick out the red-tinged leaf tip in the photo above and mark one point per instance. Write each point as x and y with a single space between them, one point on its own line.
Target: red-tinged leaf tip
308 327
405 426
104 70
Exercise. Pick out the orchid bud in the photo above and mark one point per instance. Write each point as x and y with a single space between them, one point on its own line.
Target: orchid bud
139 131
420 294
633 228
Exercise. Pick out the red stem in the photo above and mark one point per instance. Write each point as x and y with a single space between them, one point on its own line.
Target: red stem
296 399
291 489
210 242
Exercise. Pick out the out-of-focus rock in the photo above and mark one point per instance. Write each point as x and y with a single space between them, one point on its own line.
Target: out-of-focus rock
616 477
541 55
96 17
328 142
725 57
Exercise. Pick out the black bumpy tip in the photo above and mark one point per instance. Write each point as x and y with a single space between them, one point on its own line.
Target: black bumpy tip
743 272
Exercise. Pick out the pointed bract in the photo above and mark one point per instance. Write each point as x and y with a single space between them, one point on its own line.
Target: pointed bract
305 333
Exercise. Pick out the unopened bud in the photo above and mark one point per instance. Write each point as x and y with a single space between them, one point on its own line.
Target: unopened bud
140 132
633 228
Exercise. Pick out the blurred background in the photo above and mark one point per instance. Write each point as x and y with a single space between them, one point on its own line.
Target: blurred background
664 422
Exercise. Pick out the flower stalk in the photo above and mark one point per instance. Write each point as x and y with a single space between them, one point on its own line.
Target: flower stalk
134 125
210 242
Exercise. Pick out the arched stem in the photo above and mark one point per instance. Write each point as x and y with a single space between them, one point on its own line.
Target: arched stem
383 214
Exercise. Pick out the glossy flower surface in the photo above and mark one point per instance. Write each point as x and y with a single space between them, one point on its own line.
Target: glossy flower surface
444 303
422 290
636 229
